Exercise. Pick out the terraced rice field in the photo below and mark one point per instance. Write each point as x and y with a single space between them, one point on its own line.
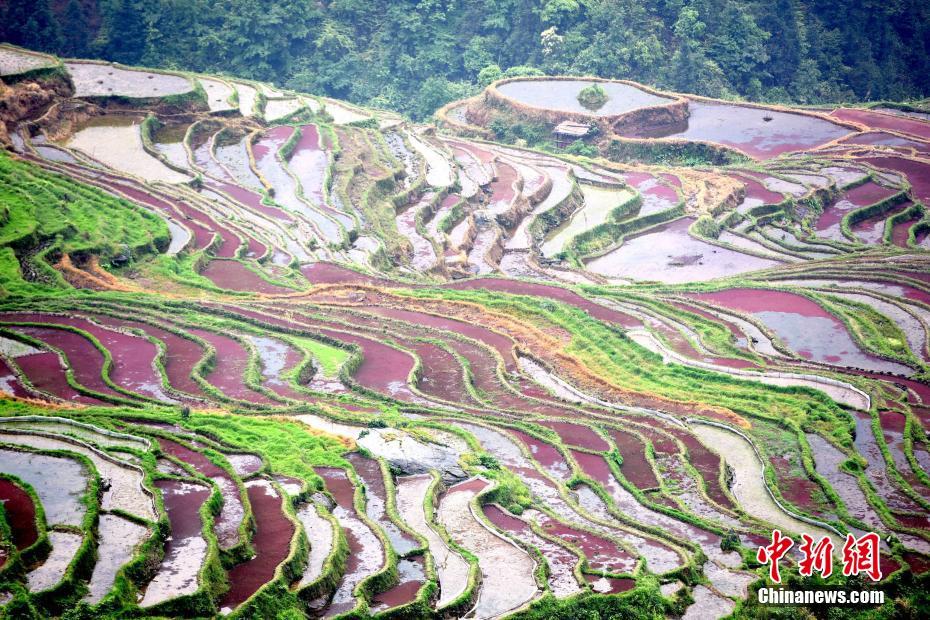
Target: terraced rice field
15 61
563 95
324 366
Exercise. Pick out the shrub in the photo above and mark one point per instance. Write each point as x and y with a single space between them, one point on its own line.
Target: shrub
578 147
488 461
489 74
706 227
593 97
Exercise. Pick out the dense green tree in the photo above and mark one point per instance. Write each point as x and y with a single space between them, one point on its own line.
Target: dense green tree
75 35
384 51
30 23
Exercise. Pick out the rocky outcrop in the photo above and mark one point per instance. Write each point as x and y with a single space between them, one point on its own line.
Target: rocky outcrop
29 99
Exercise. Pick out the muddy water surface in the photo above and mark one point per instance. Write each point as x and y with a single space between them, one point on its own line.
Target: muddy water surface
186 548
561 561
563 95
59 483
669 254
749 485
226 524
452 570
366 555
759 132
51 571
507 571
369 470
319 533
118 540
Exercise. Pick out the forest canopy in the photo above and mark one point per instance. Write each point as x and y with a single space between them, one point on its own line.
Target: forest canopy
415 55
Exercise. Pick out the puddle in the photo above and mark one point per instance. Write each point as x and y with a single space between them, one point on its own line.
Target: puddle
234 157
168 140
872 230
916 171
310 162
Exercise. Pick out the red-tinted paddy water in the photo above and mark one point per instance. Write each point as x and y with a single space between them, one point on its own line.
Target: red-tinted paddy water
636 467
20 514
759 132
180 357
226 524
235 276
85 360
578 435
365 553
828 224
879 120
228 373
917 173
804 326
271 542
132 357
